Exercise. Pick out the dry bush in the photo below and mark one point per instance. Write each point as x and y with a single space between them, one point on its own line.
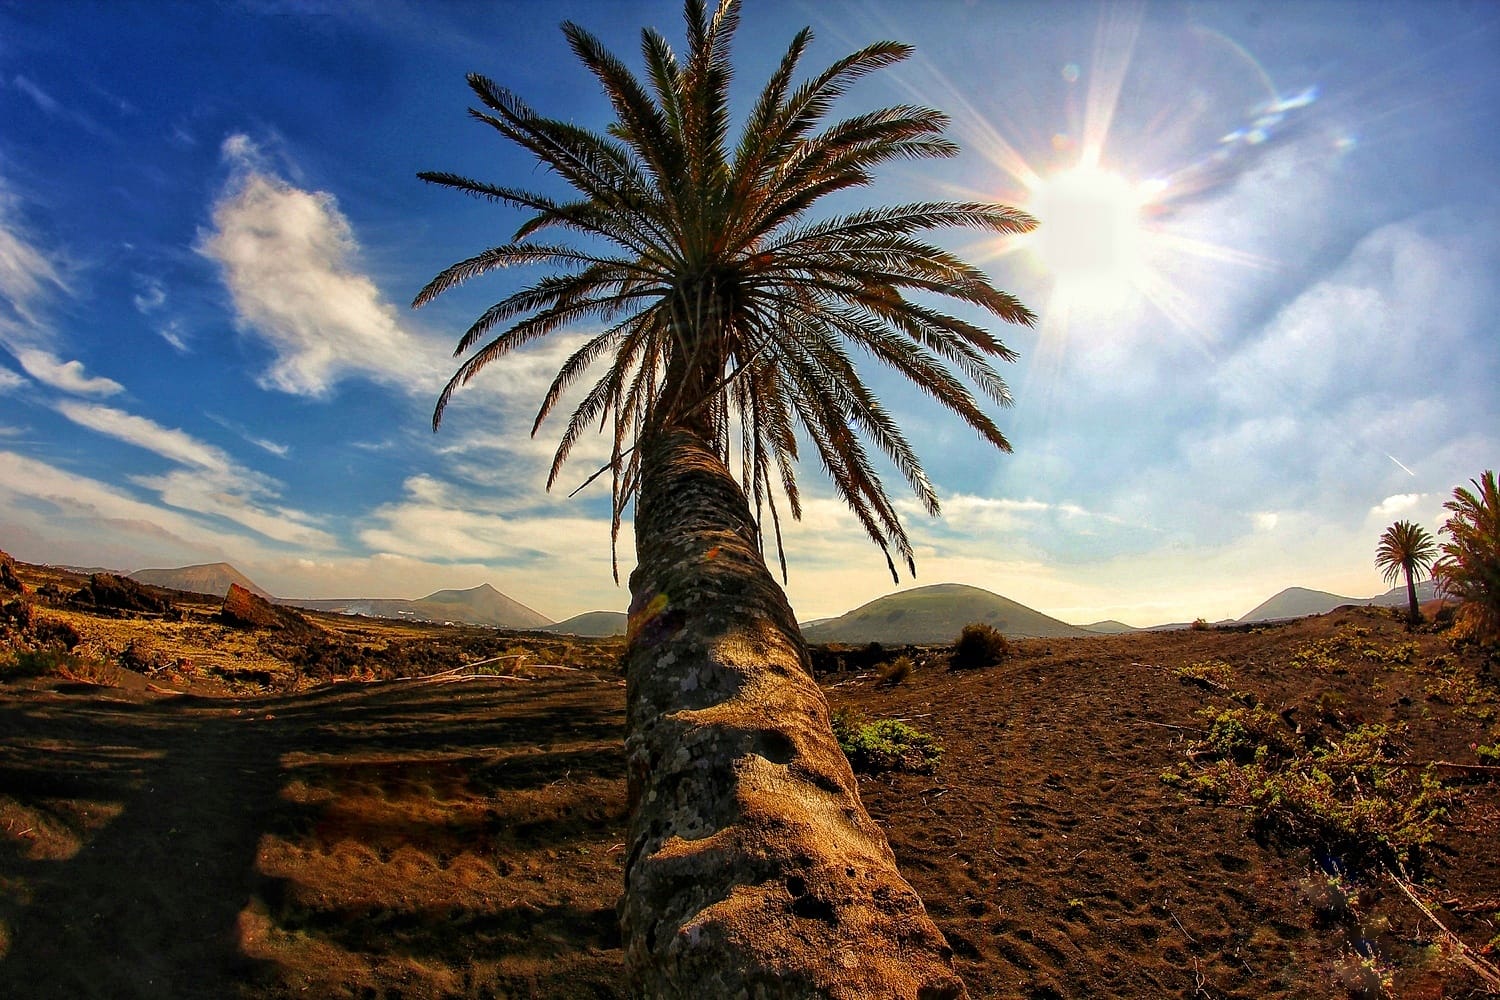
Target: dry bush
979 645
896 670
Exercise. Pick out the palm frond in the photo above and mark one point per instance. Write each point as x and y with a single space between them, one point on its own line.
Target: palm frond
701 257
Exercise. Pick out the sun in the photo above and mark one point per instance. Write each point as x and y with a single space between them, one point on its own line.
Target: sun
1089 234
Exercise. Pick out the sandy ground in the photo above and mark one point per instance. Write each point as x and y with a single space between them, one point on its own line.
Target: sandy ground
462 838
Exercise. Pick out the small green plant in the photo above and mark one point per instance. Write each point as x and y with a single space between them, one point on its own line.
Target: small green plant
1199 625
1243 734
1207 673
1355 793
1365 977
885 745
1489 754
979 645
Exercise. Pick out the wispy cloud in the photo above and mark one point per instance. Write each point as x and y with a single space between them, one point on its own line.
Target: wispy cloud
54 108
289 259
211 482
566 550
142 432
27 274
9 380
68 376
172 334
151 297
265 444
95 503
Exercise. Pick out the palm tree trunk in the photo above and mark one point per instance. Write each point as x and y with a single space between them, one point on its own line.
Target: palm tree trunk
752 868
1413 613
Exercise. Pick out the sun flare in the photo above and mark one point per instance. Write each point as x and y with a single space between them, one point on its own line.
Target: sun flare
1089 234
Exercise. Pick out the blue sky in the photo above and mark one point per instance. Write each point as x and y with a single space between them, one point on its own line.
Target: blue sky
1281 340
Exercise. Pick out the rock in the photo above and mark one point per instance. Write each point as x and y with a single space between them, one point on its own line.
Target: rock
247 610
120 593
9 581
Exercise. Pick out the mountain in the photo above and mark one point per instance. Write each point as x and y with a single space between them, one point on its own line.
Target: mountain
90 570
936 614
481 605
594 624
1298 602
210 578
1396 596
1109 627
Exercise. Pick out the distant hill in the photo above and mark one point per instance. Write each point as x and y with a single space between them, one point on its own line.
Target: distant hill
593 624
1298 602
90 570
936 614
481 605
1109 627
210 578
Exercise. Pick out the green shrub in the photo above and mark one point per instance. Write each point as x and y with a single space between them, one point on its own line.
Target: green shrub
885 745
1355 794
1244 734
979 645
1207 673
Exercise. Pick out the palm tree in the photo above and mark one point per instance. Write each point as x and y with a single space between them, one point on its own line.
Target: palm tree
1470 566
725 316
1406 548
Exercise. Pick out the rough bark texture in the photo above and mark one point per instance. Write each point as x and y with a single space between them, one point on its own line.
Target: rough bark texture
752 868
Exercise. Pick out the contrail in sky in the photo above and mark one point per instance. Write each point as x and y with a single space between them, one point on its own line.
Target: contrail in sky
1403 468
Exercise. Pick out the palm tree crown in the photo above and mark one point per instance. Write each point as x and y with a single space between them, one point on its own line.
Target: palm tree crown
1405 548
1470 567
723 307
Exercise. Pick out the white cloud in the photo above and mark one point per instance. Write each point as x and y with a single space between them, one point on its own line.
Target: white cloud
274 447
172 334
103 507
564 551
289 259
10 380
49 514
68 376
151 297
230 496
145 433
212 482
27 274
1391 506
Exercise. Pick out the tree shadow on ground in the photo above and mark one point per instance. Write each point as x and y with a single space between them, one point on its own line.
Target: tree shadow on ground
341 841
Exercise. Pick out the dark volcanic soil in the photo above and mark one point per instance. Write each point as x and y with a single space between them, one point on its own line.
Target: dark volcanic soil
461 838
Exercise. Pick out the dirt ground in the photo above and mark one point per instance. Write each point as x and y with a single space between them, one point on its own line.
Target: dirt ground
462 838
